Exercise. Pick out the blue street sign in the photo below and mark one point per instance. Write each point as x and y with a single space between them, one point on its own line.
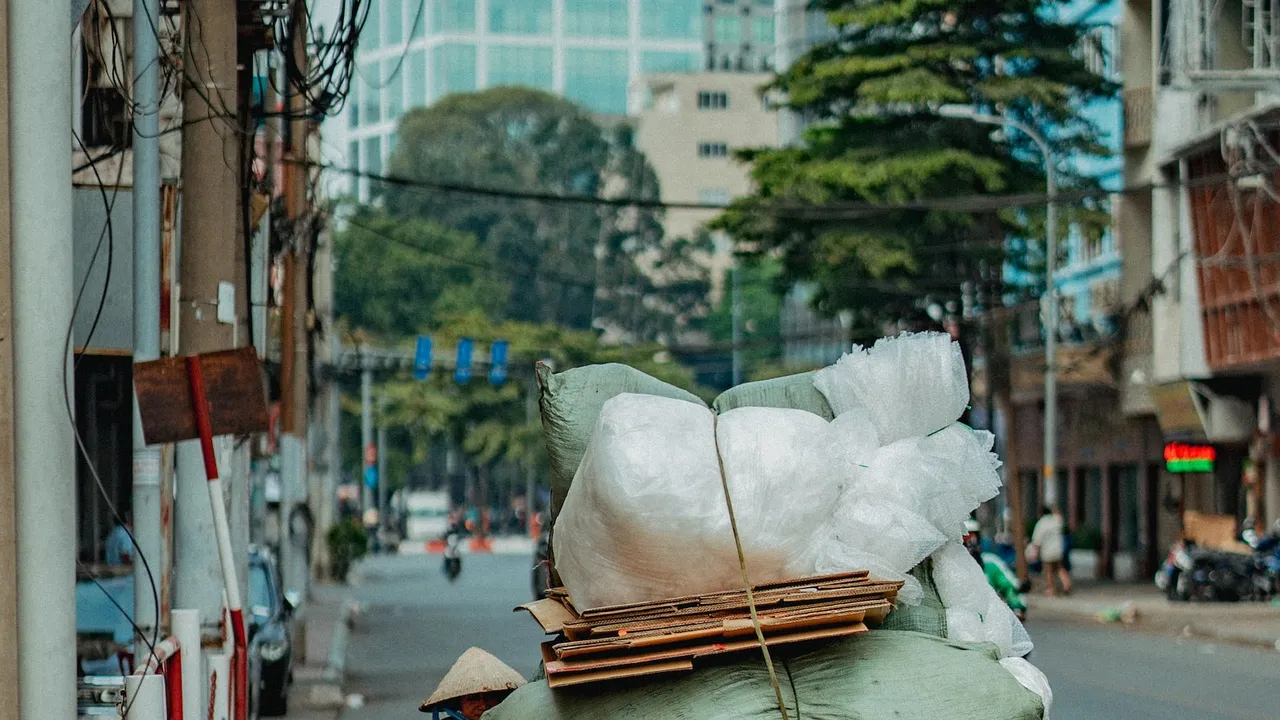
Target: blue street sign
498 362
371 476
462 373
422 358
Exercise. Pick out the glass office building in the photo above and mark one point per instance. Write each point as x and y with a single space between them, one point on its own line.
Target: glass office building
414 52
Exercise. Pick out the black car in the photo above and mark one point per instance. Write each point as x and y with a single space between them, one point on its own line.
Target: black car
270 619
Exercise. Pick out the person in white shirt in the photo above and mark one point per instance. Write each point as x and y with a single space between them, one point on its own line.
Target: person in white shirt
1048 539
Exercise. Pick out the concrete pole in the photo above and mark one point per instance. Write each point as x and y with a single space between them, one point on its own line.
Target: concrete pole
366 425
736 309
382 474
147 531
41 276
1050 328
210 182
186 628
8 519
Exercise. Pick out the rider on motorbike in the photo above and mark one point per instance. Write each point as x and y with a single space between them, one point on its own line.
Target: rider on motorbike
998 575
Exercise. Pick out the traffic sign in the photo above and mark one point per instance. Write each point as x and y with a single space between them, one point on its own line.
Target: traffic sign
498 362
462 373
422 358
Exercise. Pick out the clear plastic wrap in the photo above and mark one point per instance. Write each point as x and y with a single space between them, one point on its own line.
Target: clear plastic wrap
909 385
883 538
645 518
1030 677
975 613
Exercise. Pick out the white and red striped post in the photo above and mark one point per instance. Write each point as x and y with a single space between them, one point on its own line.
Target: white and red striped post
154 690
222 533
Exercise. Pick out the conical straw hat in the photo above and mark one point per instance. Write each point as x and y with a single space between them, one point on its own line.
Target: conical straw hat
475 672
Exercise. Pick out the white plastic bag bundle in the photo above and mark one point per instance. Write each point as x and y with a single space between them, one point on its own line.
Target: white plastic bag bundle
975 613
909 385
885 539
1030 677
645 518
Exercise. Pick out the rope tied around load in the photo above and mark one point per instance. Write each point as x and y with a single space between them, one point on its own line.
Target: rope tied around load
746 578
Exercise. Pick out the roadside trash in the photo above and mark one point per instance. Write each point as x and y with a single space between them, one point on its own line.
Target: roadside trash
1126 613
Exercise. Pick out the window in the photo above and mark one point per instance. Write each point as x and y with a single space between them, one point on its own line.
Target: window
417 20
373 155
371 31
453 65
262 601
392 22
762 30
597 79
370 96
454 15
713 196
728 29
353 106
353 155
672 19
520 17
520 65
712 150
415 72
596 18
713 100
393 87
660 61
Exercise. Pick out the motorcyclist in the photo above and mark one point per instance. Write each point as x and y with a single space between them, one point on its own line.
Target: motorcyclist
998 575
452 552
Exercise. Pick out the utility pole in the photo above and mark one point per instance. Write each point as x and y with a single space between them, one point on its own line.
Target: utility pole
382 474
41 276
294 365
210 192
736 309
8 516
147 512
366 428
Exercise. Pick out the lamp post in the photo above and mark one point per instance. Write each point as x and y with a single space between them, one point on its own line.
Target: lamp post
1051 290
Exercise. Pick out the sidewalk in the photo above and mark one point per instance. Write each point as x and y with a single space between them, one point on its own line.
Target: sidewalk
1144 607
321 644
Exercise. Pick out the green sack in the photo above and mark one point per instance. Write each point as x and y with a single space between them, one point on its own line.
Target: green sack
880 674
792 392
571 403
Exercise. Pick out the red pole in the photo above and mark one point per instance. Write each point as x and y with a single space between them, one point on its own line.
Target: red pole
239 659
173 685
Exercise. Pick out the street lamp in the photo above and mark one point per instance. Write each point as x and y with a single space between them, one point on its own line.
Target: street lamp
1051 291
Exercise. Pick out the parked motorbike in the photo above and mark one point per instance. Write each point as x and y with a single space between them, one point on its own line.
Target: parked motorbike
1192 572
452 556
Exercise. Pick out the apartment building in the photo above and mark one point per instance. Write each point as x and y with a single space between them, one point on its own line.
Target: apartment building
1200 224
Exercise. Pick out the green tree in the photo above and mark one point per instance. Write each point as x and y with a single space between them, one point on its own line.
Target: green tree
871 94
570 263
396 277
761 305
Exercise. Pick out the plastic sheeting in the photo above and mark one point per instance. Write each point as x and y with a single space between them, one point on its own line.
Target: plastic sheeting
882 674
648 498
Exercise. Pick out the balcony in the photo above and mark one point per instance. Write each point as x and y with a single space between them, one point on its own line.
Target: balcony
1138 104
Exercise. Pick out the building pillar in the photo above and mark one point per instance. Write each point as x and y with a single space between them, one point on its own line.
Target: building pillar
1107 548
1148 499
1075 510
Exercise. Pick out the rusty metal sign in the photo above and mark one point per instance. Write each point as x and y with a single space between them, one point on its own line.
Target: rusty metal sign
234 385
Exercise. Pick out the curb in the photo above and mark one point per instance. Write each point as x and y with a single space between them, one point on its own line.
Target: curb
1163 626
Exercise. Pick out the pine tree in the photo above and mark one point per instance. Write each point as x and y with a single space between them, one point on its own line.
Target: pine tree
869 96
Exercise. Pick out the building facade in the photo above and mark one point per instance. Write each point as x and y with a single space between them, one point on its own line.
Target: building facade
413 53
1200 226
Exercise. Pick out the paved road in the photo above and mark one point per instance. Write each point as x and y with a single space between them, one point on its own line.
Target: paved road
414 624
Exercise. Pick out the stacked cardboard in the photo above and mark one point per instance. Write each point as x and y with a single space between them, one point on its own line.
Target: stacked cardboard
667 636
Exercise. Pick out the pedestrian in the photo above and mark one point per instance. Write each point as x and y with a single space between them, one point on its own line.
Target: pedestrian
1049 539
119 549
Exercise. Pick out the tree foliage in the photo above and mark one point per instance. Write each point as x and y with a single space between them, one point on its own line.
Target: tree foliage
579 265
871 94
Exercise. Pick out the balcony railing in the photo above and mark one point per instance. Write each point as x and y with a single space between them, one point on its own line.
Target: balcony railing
1137 116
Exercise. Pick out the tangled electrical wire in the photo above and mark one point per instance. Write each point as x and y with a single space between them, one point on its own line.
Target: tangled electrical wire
325 81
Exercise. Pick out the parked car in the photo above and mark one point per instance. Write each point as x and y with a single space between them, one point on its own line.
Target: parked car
104 640
270 628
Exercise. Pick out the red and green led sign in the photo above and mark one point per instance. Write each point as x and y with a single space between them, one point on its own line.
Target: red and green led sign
1186 458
